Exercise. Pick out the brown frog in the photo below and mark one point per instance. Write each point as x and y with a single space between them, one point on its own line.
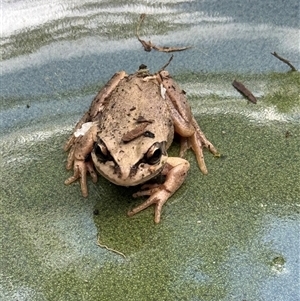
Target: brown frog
127 131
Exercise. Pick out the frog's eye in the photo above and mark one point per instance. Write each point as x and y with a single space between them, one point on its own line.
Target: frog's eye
101 152
155 152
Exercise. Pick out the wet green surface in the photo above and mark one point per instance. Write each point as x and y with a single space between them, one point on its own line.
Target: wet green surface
230 235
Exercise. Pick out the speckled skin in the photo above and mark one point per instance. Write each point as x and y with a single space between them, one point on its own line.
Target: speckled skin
133 122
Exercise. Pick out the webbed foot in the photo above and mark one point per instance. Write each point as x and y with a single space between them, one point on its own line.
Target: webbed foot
176 171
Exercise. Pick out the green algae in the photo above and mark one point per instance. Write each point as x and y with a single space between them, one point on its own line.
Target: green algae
212 226
30 40
230 235
284 91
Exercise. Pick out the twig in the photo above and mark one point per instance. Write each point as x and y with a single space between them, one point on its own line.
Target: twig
169 49
167 64
148 46
109 249
137 132
284 60
244 91
98 238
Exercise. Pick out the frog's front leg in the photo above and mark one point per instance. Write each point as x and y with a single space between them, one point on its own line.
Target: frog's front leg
79 157
176 171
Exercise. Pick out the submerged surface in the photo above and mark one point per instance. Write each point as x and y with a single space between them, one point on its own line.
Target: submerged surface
230 235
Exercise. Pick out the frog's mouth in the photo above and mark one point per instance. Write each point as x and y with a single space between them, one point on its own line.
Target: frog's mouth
126 174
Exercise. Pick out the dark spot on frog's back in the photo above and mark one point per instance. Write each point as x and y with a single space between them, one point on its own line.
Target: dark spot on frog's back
149 134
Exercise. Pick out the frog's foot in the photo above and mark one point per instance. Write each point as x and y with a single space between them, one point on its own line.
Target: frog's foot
159 196
199 135
197 141
80 170
176 171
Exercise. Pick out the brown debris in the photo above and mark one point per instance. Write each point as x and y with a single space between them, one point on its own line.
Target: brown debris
284 60
287 134
142 119
136 132
148 46
244 91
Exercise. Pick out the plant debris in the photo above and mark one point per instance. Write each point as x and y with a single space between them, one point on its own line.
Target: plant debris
138 131
109 249
284 60
148 46
244 91
167 64
142 119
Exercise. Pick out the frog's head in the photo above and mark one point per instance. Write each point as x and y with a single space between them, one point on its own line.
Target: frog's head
131 163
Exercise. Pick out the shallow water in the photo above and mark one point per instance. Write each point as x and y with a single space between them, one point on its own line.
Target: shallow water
230 235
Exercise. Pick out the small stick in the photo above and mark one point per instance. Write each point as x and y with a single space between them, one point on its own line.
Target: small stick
107 248
148 46
135 133
167 64
284 60
142 119
99 244
244 91
169 49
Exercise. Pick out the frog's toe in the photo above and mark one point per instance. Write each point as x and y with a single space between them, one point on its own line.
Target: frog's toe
147 189
91 170
80 170
74 177
70 159
159 197
184 146
69 143
83 186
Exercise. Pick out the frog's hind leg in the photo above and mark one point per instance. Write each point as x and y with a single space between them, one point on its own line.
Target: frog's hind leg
197 141
200 136
184 123
97 106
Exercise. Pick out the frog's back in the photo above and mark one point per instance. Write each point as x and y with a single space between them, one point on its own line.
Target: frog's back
133 99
